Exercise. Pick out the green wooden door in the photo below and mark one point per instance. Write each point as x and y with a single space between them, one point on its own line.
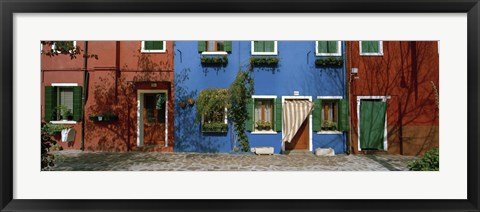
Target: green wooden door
372 124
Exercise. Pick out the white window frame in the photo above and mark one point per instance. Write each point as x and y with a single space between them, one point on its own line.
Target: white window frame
143 50
272 131
225 120
338 98
380 49
275 49
63 85
54 46
214 52
338 53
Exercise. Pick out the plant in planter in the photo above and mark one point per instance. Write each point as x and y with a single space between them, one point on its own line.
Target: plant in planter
260 125
190 101
182 104
107 116
205 60
329 125
264 61
214 127
266 125
64 112
329 62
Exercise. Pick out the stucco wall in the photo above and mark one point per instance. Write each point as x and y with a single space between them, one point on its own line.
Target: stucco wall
296 71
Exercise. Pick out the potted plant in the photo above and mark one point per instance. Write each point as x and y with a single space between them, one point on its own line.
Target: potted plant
182 104
260 125
63 111
266 125
190 101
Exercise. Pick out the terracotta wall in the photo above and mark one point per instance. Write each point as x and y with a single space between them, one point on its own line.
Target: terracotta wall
408 72
114 78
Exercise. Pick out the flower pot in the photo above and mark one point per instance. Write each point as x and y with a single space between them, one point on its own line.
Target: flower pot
267 128
182 104
190 101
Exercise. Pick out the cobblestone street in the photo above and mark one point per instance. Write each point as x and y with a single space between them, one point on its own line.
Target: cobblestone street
154 161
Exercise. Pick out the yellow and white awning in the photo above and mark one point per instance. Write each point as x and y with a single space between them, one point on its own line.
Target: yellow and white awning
294 113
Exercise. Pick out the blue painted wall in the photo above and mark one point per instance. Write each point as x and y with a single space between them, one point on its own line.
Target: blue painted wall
296 71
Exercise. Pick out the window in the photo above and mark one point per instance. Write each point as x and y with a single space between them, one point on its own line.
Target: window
63 102
153 46
263 114
328 48
214 47
330 114
264 47
215 121
371 48
329 118
64 46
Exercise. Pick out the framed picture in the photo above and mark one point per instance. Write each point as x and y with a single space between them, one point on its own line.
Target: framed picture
142 106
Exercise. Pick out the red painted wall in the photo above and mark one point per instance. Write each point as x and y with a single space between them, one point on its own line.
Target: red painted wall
408 72
113 81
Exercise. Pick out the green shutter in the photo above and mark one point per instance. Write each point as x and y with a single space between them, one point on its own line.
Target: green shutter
332 46
228 46
50 104
322 47
77 103
202 46
317 115
249 122
278 115
269 46
258 46
343 115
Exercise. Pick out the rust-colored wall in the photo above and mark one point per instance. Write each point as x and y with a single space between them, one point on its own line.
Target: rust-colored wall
114 78
407 72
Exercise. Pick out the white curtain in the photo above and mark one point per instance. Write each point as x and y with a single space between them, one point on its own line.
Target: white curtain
295 112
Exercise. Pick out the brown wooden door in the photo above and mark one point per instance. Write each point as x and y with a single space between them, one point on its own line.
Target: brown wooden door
154 119
301 139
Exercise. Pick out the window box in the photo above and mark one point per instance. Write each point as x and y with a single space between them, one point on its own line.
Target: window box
264 61
215 127
104 117
329 62
214 60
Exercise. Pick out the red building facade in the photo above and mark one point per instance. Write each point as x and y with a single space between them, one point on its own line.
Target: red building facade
394 84
127 90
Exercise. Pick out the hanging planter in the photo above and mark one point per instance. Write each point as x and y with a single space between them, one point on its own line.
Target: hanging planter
212 60
264 61
182 104
329 62
190 101
103 117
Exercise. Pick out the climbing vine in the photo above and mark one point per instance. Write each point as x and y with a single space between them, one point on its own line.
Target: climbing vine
240 91
211 100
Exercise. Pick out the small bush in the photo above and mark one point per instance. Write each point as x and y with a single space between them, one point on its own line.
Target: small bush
46 142
52 129
429 162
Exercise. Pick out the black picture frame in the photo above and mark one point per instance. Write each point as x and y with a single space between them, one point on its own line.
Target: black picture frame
10 7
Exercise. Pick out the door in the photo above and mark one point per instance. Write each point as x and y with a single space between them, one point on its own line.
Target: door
300 140
154 121
372 124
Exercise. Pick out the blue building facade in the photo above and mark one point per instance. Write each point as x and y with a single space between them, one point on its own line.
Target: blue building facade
282 71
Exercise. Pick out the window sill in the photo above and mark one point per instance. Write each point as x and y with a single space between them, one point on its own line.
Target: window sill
264 133
214 53
371 54
63 122
153 51
330 132
264 53
328 54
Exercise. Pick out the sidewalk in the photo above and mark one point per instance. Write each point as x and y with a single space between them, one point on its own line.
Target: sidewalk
69 160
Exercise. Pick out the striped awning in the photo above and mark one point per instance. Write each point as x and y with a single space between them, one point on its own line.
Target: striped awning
295 112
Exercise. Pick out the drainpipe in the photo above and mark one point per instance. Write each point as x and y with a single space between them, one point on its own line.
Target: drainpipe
84 96
349 74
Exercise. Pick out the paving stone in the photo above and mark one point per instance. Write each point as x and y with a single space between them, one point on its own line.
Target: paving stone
69 160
